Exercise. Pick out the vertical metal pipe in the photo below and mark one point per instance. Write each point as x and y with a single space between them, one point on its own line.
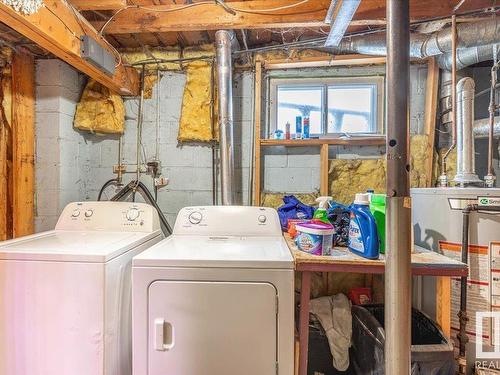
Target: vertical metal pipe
140 118
398 226
466 171
490 178
443 179
223 41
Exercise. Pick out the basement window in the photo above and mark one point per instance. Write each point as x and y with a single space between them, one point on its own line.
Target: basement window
335 106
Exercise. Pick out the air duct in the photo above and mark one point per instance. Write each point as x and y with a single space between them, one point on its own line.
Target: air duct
225 41
467 57
466 173
474 40
482 127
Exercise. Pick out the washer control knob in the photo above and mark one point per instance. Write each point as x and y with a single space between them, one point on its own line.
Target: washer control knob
75 213
132 214
262 219
195 217
89 213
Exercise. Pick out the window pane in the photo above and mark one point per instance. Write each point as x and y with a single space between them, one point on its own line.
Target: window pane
350 109
296 101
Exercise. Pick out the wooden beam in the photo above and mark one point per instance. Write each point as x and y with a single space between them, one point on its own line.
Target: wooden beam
324 61
324 188
23 143
352 141
443 304
57 29
99 4
174 18
431 103
6 152
258 133
249 15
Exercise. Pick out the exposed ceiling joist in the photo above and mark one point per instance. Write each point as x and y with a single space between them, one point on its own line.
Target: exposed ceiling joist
98 4
57 29
248 15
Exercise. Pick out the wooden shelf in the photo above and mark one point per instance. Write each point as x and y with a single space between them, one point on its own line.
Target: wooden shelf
354 141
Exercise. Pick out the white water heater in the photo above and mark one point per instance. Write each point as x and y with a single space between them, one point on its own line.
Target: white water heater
437 222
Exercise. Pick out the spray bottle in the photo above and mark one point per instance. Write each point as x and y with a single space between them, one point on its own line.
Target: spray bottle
321 214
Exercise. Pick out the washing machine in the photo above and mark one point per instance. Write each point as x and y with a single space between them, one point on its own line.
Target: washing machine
65 295
216 297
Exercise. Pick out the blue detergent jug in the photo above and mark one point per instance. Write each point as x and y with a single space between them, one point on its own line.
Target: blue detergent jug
363 237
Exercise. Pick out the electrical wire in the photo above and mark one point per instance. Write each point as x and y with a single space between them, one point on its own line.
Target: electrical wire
224 5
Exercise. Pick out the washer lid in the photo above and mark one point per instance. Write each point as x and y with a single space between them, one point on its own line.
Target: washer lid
209 252
73 246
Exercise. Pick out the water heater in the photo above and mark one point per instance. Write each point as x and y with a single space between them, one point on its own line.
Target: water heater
437 224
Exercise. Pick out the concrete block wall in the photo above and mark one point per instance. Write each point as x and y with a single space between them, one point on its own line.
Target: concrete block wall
73 165
60 151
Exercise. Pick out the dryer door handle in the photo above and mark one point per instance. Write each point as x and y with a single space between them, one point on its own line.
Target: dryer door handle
164 335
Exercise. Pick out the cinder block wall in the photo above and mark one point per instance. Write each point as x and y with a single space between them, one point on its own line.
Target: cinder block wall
73 166
61 153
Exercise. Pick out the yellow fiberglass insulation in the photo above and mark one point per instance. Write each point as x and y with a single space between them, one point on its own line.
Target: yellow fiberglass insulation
100 110
275 200
347 177
196 115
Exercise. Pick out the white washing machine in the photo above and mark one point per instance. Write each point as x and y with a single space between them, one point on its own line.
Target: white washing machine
65 294
216 297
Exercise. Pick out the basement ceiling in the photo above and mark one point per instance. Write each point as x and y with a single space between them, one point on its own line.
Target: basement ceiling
370 15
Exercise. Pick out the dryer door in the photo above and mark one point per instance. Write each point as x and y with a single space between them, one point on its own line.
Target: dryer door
212 328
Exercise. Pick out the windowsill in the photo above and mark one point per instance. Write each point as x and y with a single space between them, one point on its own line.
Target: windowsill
373 140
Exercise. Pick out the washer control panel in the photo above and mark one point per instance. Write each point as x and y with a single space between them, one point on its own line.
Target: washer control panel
228 221
109 216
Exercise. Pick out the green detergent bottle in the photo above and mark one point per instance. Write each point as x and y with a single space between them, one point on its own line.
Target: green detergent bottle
377 208
321 214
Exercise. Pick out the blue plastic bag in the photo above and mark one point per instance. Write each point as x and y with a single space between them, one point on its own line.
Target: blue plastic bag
294 209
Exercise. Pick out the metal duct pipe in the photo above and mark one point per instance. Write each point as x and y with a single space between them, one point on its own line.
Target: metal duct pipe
224 41
398 263
467 56
481 127
466 171
474 35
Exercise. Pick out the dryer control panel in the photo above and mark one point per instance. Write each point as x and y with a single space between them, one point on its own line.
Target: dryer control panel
109 216
228 221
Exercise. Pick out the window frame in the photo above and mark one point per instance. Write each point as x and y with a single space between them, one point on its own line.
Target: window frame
378 97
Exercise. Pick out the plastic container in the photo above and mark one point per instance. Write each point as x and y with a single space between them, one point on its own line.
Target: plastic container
315 238
363 236
377 208
307 128
431 352
287 130
298 127
321 213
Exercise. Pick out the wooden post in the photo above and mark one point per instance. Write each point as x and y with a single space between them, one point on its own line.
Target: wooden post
443 304
324 170
23 139
258 130
5 152
431 99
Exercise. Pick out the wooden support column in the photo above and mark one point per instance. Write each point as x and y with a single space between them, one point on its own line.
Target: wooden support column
258 130
443 304
431 99
5 151
324 170
23 142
